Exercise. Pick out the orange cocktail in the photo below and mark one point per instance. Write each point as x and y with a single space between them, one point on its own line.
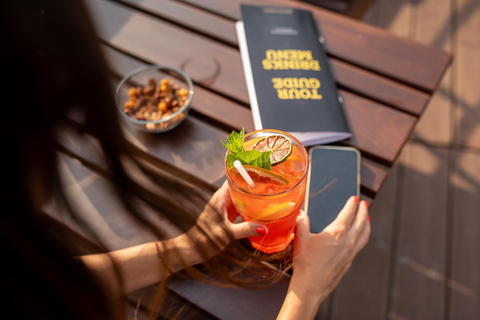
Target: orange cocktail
277 196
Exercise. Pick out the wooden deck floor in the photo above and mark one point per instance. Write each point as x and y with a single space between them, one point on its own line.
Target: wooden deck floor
423 261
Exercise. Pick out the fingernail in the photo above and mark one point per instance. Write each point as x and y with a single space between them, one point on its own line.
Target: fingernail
368 218
366 203
261 231
356 199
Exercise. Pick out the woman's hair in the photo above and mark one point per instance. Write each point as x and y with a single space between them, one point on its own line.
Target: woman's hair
55 68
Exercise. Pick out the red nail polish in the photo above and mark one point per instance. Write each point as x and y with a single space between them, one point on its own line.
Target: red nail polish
261 231
368 218
366 203
356 199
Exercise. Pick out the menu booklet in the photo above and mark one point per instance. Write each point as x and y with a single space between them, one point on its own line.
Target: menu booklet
290 84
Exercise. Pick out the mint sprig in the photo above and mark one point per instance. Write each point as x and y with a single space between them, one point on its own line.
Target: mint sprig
250 157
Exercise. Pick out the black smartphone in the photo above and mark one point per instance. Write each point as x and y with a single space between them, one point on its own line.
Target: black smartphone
333 177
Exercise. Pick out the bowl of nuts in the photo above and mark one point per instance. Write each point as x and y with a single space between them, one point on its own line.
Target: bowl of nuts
155 98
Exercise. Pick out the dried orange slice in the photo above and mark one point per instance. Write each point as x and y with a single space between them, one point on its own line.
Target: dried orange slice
260 175
279 145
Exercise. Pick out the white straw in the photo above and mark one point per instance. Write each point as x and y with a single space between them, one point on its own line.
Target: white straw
244 173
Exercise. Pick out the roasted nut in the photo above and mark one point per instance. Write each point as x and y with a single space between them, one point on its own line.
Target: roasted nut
162 106
182 92
132 92
149 90
154 101
151 82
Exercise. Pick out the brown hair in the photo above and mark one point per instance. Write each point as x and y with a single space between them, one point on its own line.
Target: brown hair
54 65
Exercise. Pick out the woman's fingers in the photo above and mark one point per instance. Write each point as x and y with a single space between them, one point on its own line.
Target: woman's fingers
220 200
347 214
362 240
221 197
302 228
360 222
247 229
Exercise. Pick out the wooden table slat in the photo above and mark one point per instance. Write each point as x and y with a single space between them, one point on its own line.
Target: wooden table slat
463 278
378 131
372 176
340 6
419 259
189 17
377 88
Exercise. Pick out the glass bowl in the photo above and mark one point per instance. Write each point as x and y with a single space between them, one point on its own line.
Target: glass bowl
154 98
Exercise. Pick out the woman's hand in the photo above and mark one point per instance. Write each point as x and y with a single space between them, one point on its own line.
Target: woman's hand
220 202
213 231
321 260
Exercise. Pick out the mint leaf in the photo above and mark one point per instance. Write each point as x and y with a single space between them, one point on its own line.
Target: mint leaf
235 141
232 147
234 137
231 159
263 161
250 157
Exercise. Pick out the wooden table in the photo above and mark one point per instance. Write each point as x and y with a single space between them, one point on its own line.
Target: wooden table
351 8
386 82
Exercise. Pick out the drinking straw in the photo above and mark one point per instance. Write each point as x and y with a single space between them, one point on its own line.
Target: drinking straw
237 164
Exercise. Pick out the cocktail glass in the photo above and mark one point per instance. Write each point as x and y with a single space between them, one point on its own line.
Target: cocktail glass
276 206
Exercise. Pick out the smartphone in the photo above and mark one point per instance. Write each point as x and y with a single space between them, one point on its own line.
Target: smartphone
333 177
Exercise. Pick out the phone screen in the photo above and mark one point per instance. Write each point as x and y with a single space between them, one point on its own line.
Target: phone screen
333 178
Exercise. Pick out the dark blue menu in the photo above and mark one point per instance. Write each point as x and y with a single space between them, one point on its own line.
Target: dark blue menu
290 84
